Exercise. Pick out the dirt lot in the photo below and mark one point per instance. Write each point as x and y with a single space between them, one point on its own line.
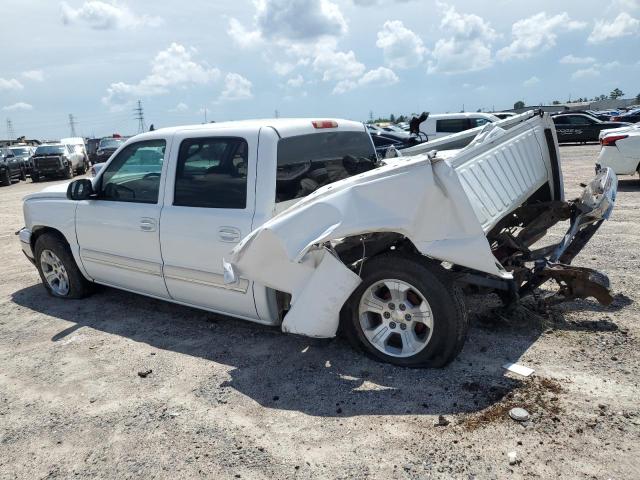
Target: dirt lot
230 399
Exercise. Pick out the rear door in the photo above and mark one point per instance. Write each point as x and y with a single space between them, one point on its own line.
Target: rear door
209 208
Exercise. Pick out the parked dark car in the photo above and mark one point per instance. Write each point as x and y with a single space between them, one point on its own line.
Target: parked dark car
10 167
57 160
632 116
92 149
106 147
24 154
581 127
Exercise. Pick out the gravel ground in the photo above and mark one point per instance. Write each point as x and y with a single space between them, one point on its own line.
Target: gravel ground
231 399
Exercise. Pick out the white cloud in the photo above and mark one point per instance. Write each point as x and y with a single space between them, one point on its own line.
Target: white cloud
236 87
180 107
338 65
17 107
380 77
242 36
573 60
531 82
35 75
105 16
299 19
623 25
536 34
296 82
171 67
10 84
401 47
289 21
593 71
469 46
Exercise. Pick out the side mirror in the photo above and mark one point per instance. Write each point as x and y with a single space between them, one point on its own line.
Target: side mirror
81 189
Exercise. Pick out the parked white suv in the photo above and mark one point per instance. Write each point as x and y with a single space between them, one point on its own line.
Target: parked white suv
189 215
443 124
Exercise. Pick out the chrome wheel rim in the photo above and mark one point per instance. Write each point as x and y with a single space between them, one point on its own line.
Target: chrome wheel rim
395 318
54 273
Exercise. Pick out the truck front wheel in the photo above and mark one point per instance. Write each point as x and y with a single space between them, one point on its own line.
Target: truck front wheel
407 312
57 268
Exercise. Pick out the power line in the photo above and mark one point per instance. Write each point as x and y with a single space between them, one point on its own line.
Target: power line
72 125
139 115
10 132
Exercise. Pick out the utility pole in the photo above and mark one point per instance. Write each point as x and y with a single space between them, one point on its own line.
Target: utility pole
205 115
10 133
139 115
276 114
72 125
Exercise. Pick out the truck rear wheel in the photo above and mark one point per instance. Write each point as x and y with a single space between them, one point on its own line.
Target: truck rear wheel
57 268
5 178
406 312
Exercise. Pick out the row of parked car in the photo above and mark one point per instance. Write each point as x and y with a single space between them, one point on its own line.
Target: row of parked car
63 159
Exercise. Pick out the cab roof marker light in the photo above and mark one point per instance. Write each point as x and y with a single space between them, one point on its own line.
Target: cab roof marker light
324 124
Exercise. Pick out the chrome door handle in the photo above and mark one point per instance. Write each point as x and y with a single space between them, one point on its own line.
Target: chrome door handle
229 234
148 224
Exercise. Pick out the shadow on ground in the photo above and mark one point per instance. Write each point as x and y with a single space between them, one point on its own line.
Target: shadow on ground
317 377
628 185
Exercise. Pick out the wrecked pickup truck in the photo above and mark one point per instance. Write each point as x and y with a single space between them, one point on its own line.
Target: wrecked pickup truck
295 222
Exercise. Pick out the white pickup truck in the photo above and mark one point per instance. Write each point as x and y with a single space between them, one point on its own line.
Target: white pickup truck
295 222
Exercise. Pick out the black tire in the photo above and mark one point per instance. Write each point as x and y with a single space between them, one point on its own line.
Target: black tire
79 286
445 298
68 174
23 175
5 178
35 178
82 169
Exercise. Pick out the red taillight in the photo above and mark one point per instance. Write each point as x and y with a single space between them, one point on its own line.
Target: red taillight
324 124
616 119
610 141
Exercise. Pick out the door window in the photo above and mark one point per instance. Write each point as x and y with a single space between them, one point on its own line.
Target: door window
578 120
452 125
134 174
212 173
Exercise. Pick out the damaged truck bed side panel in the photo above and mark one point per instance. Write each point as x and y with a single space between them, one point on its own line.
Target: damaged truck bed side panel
445 207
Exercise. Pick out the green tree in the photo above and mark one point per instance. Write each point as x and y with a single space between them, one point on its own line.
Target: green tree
638 98
392 118
556 102
616 93
518 104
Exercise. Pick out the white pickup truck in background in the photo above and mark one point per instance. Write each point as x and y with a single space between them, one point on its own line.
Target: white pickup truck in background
295 222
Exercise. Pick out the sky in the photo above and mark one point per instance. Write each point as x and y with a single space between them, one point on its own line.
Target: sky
220 60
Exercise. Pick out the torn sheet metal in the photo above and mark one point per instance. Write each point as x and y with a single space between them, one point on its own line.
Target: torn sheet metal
416 197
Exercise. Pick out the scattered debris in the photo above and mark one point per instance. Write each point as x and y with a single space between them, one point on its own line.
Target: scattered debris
513 458
442 421
519 369
144 373
519 414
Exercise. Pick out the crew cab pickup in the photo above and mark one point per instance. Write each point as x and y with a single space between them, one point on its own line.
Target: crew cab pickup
297 223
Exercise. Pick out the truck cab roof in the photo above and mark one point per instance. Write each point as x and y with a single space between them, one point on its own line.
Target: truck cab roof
285 127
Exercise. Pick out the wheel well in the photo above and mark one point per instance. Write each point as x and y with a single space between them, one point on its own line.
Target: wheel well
38 231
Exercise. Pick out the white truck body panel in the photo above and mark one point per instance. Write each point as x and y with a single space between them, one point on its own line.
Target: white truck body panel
624 156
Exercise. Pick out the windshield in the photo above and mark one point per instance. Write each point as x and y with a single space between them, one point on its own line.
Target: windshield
20 151
50 149
110 143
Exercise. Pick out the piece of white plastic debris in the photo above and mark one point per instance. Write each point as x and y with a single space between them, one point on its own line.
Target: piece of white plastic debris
519 369
513 458
519 414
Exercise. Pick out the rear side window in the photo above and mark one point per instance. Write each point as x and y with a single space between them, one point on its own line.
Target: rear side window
308 162
452 125
212 173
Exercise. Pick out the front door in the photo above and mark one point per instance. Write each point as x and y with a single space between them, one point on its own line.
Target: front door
209 207
118 232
